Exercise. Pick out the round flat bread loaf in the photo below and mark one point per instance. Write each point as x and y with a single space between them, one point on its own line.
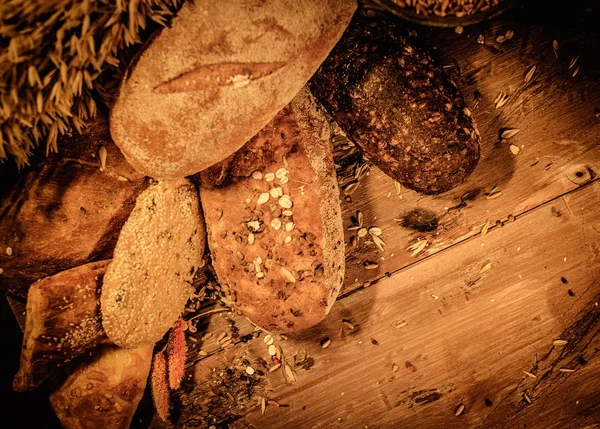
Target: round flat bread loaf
203 87
148 282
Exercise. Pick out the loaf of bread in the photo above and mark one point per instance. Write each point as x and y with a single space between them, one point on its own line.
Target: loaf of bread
62 322
148 282
274 221
205 86
64 210
103 392
398 106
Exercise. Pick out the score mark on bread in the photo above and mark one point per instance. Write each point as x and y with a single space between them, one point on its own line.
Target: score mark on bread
210 76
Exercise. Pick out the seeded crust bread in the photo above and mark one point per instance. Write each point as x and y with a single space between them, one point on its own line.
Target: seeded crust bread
205 86
148 282
398 106
103 393
274 221
62 322
64 211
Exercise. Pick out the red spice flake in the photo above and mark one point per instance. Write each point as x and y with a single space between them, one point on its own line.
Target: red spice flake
177 354
410 366
160 386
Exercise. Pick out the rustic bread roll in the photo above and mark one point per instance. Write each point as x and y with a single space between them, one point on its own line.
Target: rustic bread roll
399 107
148 282
274 221
64 210
206 85
62 322
103 393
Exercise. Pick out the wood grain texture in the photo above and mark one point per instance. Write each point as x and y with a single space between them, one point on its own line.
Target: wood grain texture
467 337
558 142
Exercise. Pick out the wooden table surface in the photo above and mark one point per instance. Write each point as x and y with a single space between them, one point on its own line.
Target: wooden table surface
456 326
462 319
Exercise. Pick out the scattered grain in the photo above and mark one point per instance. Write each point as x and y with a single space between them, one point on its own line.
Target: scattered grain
530 73
257 175
262 199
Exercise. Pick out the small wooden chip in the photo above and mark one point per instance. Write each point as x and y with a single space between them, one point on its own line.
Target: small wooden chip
325 342
395 368
566 370
275 367
460 409
529 374
559 342
263 405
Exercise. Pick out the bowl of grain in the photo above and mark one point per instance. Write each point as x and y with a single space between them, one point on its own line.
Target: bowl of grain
446 13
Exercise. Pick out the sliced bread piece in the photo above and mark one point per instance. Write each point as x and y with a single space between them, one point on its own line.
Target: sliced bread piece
148 282
62 322
103 392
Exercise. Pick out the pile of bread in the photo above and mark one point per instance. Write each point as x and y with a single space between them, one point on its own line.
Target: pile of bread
219 144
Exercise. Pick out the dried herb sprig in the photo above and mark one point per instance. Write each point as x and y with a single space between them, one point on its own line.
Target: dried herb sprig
58 56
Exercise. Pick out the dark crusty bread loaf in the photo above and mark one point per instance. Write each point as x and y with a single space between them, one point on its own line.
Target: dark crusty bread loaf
398 106
148 282
103 392
62 322
274 221
64 210
205 86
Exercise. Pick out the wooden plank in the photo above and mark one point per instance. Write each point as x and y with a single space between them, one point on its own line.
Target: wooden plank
557 142
456 334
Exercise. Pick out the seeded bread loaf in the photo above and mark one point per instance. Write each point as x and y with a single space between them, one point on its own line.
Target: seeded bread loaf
148 282
274 221
103 392
205 86
62 322
64 210
398 106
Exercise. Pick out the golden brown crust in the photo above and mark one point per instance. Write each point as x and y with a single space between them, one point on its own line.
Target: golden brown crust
209 83
62 322
105 393
148 282
281 284
64 211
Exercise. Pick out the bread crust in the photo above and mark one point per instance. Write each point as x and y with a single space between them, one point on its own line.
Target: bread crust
281 284
398 106
148 282
62 322
64 210
103 392
206 85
